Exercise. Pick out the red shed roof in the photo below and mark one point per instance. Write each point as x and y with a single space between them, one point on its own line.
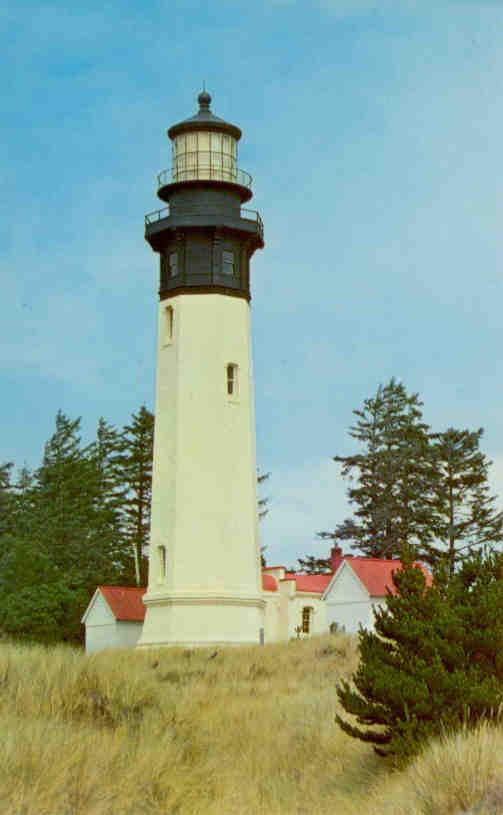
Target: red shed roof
125 602
376 573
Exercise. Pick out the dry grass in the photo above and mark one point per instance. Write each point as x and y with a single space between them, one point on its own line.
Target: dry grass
250 732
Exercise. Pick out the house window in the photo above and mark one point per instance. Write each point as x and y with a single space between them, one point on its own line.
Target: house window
173 264
228 263
232 379
162 562
168 325
306 619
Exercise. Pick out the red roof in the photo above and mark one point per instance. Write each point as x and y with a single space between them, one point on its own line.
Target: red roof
376 573
269 583
125 603
316 583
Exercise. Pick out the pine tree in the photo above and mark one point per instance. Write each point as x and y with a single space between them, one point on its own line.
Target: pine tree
433 663
59 527
104 455
24 502
390 478
135 463
6 498
39 602
462 513
61 497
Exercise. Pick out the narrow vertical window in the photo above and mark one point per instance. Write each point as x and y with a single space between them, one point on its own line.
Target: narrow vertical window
173 264
168 325
228 263
232 379
306 619
162 562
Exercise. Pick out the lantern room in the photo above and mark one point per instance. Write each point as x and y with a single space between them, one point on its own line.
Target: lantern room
204 236
204 148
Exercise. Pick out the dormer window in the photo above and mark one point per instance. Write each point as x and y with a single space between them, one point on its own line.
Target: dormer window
173 269
228 263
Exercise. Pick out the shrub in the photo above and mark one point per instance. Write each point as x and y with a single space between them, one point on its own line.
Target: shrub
434 662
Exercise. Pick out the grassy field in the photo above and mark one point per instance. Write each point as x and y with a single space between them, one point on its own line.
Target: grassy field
247 732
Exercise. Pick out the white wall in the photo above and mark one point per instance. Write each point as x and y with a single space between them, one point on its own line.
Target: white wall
100 626
127 633
272 616
318 614
348 602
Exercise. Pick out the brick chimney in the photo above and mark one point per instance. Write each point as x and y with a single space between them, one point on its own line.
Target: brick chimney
336 557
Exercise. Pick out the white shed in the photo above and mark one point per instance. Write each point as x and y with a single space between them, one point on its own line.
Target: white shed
114 618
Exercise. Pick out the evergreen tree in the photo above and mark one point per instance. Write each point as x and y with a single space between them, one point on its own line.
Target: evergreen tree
61 497
20 510
135 464
39 601
67 508
110 495
6 499
24 502
462 516
64 542
390 478
434 662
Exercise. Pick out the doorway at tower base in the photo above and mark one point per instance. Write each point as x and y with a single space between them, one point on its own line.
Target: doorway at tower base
193 620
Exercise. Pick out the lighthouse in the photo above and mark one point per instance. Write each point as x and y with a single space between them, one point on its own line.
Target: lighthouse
204 585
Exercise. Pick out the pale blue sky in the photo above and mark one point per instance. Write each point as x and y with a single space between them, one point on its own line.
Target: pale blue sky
373 131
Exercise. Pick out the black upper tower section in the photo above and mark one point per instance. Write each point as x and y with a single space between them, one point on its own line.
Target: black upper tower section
204 237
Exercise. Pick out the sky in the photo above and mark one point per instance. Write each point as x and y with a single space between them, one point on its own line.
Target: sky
373 131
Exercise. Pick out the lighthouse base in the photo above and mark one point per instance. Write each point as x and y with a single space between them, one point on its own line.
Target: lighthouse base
195 620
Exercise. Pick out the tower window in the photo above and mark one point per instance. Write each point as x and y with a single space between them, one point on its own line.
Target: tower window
168 324
306 619
228 263
173 264
162 562
232 379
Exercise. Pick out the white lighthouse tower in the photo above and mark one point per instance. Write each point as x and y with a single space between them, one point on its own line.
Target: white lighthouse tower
204 583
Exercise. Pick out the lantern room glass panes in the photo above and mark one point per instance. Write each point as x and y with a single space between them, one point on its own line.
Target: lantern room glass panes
204 155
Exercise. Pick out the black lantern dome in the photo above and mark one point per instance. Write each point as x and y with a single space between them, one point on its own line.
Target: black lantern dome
203 120
204 230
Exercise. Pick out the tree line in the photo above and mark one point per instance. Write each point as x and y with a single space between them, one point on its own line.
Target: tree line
82 518
411 486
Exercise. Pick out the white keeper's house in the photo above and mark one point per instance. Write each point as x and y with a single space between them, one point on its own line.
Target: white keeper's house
296 605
